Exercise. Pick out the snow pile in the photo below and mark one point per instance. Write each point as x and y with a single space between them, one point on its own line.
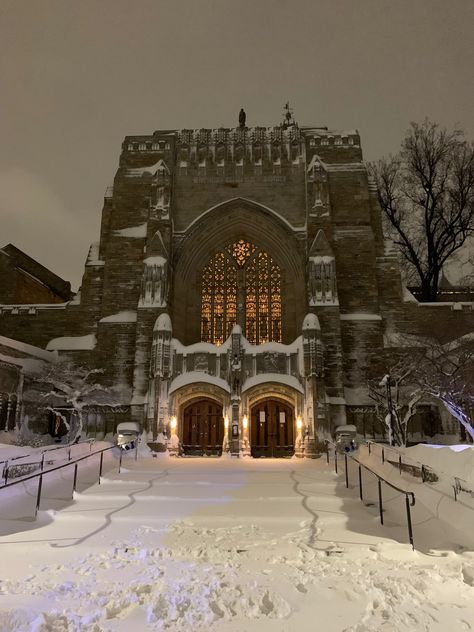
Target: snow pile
454 460
132 231
72 343
126 316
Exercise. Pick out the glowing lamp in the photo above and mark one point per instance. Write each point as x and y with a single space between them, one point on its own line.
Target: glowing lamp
173 423
245 422
299 423
226 422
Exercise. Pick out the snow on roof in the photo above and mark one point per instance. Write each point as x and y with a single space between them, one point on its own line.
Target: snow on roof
132 231
408 296
27 349
262 378
31 365
127 316
154 261
196 376
311 321
201 347
272 347
346 428
152 169
72 343
163 323
360 316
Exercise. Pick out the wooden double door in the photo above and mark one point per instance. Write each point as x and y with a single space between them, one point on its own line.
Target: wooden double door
203 428
272 429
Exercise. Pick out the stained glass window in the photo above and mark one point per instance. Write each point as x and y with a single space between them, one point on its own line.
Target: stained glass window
242 273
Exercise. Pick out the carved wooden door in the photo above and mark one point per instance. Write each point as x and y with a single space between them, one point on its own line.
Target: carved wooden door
203 428
272 429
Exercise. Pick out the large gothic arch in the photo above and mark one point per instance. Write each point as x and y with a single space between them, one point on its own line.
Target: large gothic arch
235 220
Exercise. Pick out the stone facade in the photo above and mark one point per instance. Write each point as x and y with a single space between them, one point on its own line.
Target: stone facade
241 280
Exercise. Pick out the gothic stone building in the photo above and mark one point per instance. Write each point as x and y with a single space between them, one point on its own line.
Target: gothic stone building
239 289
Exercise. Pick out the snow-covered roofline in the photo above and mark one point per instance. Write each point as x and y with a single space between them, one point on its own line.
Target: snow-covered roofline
27 349
194 377
278 378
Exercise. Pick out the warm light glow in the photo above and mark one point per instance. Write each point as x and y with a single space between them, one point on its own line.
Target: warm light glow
245 422
299 423
260 293
173 423
226 422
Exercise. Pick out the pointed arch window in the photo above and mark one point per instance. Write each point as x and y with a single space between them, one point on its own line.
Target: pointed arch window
241 284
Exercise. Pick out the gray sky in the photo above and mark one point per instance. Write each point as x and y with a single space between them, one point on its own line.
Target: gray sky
76 77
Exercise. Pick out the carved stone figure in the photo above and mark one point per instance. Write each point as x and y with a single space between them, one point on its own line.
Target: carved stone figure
242 117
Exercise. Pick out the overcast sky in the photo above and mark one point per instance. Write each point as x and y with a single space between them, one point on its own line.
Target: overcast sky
76 77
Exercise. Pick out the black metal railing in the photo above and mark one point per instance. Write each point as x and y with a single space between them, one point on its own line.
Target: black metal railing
70 463
11 466
409 496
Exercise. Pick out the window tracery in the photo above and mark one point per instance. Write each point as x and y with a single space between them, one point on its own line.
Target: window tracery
245 274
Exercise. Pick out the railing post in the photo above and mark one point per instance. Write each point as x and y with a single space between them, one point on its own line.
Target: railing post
120 460
75 480
327 453
42 461
360 483
69 454
38 495
400 463
383 455
136 450
410 528
347 475
335 460
7 467
380 500
101 462
369 446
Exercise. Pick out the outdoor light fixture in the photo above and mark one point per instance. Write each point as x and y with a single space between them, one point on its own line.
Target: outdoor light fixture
299 423
245 422
226 422
173 423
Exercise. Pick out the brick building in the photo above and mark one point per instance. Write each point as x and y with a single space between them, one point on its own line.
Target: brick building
239 290
25 281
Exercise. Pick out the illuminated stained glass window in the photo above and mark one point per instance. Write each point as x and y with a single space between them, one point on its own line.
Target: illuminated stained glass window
241 273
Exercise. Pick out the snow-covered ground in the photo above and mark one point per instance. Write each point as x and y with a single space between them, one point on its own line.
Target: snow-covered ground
228 545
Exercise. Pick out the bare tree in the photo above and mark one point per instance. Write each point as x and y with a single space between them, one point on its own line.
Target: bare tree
67 386
447 374
396 396
426 193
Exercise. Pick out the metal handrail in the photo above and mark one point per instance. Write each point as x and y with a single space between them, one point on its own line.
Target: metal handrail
59 467
459 484
409 496
40 462
48 449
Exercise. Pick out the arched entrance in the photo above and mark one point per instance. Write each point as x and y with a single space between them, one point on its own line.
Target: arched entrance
203 428
272 428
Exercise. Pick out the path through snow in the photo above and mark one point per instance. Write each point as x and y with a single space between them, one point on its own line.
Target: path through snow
229 545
